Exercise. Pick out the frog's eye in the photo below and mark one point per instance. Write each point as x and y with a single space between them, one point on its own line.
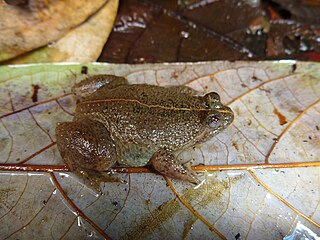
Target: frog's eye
213 100
213 96
214 122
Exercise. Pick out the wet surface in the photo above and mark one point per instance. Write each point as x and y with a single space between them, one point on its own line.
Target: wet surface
253 170
157 31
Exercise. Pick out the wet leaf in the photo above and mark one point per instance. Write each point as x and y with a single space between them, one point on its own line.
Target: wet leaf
302 11
23 29
261 175
82 44
170 31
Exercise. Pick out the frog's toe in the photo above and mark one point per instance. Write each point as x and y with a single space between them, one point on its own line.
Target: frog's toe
165 163
94 179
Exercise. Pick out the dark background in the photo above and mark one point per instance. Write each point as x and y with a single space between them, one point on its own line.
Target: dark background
190 30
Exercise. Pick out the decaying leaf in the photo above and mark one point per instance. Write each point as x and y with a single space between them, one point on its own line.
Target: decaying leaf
261 175
22 29
213 30
82 44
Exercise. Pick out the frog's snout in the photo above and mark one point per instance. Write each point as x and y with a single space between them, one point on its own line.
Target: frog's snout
230 117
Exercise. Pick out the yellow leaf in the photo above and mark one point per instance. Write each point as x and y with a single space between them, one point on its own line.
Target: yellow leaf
82 44
23 30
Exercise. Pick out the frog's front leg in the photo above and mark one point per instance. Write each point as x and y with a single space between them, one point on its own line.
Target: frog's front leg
85 146
91 84
165 162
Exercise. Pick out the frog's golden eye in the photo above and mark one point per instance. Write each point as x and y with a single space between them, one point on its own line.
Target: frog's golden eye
213 96
214 121
213 100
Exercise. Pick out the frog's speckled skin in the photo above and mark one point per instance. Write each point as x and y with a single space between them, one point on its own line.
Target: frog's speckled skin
133 124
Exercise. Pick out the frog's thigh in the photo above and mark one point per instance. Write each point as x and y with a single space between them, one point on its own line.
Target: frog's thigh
93 83
85 145
165 162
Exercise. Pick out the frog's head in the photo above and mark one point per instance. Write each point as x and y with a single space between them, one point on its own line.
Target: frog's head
219 116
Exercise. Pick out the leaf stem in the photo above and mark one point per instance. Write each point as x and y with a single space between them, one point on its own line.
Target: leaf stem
63 168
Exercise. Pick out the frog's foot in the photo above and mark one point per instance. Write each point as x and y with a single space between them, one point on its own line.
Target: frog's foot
93 179
92 84
85 145
165 163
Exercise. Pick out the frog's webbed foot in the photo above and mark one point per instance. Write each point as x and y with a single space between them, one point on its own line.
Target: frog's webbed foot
85 146
93 179
165 162
93 83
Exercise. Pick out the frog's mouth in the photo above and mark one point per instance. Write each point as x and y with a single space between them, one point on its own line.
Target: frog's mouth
229 115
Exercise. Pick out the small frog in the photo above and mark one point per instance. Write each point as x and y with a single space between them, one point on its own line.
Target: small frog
137 125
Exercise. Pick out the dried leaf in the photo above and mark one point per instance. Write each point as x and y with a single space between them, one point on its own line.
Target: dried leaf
22 30
268 158
82 44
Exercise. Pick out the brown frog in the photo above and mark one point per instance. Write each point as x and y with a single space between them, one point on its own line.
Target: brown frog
137 125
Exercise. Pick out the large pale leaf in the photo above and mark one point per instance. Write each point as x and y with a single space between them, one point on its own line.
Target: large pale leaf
261 174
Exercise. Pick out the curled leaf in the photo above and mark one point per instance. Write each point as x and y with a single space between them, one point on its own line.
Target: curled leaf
82 44
22 30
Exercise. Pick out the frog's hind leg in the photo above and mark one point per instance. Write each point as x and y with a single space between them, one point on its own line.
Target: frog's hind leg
87 148
91 84
165 162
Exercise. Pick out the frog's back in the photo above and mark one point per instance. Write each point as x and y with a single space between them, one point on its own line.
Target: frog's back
148 94
146 117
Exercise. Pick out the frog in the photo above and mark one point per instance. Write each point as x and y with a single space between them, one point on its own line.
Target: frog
120 124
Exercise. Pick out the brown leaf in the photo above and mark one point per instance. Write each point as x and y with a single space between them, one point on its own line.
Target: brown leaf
22 30
157 31
82 44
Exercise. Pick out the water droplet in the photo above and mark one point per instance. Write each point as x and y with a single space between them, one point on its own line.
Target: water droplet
127 22
79 221
253 3
288 51
193 25
303 46
184 34
90 234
